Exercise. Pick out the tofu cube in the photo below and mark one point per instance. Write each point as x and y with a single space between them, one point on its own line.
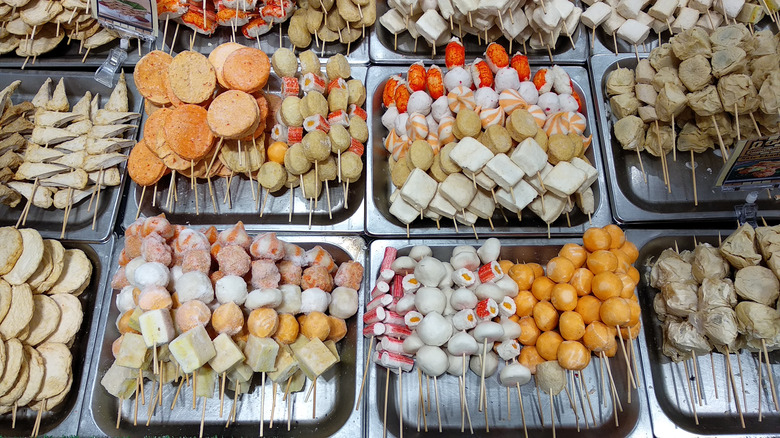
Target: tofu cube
393 21
240 386
564 7
286 365
505 199
133 352
468 218
644 72
205 381
596 14
550 209
613 23
647 114
705 18
644 18
586 201
403 211
314 358
298 382
333 349
428 214
548 20
441 206
523 193
646 93
633 31
465 6
591 174
431 26
536 181
446 9
192 349
629 8
700 5
729 8
663 10
132 322
572 21
564 179
482 205
419 189
228 354
529 157
482 179
261 354
458 190
750 13
240 373
157 327
120 381
686 19
503 171
470 154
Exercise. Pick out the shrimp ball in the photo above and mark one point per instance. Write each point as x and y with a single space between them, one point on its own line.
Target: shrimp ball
234 260
265 274
545 316
196 260
289 273
154 249
615 312
271 298
564 297
288 329
194 285
153 298
149 274
530 331
317 277
588 307
597 337
547 345
571 326
560 269
228 318
343 302
316 325
314 300
191 314
262 322
338 329
231 288
529 357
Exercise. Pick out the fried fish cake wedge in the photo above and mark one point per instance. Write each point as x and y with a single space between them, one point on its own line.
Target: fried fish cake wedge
19 314
32 253
11 248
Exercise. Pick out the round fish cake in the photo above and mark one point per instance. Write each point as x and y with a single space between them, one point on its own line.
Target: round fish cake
32 253
247 69
71 316
421 155
5 299
58 361
358 129
76 273
44 269
149 76
351 166
217 59
284 62
11 248
338 66
312 187
36 376
14 352
233 114
192 77
291 111
316 145
468 123
15 392
44 320
57 252
19 314
339 138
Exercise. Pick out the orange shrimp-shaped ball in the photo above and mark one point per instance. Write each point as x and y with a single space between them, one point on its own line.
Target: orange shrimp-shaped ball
481 74
496 57
388 93
435 82
401 98
520 63
455 54
415 77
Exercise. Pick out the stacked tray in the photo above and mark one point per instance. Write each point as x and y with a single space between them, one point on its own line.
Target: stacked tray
64 419
634 420
49 222
347 216
634 201
670 402
337 390
407 52
379 221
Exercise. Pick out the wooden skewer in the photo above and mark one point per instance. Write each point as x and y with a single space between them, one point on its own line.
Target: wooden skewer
176 396
760 387
118 413
140 202
695 364
539 402
723 152
628 361
384 418
135 410
222 394
769 372
736 122
616 397
714 380
552 413
584 389
401 402
522 410
202 418
482 375
576 391
690 392
693 175
420 399
438 411
365 372
734 386
674 141
572 404
194 388
741 379
262 403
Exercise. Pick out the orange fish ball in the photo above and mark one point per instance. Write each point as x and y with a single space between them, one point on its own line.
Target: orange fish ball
574 253
617 236
606 285
547 345
287 331
597 337
615 312
123 325
595 239
505 265
338 329
630 332
542 288
529 357
582 281
514 318
191 314
636 312
316 325
573 356
560 269
154 298
602 261
623 262
628 285
634 274
630 250
588 307
276 151
530 332
263 322
545 316
524 303
564 297
537 268
571 325
611 349
228 318
523 275
116 345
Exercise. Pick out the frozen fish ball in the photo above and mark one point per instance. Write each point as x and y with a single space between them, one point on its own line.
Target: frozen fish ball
463 299
508 286
512 330
176 272
291 299
488 330
430 299
430 271
550 377
457 77
432 360
507 79
125 300
463 248
434 330
486 97
412 343
194 285
150 274
466 259
404 265
343 302
528 92
489 251
231 289
419 251
489 290
462 343
314 300
405 304
455 366
258 298
419 102
439 109
568 103
514 374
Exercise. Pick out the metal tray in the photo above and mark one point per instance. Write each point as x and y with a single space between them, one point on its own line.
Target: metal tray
633 201
379 221
277 209
337 390
382 51
64 420
668 394
633 420
358 50
49 221
68 56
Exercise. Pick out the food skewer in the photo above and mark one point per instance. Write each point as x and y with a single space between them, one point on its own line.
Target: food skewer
690 392
734 386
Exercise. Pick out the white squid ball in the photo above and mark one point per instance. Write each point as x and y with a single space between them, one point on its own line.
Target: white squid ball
124 299
447 280
291 299
455 366
400 124
432 361
448 309
412 343
462 343
512 330
488 330
270 298
231 289
343 302
568 103
405 304
489 290
528 92
468 260
419 251
430 299
194 285
508 286
314 300
506 79
549 103
388 118
440 108
419 102
434 330
176 272
430 271
491 364
463 248
489 251
486 97
151 274
457 77
513 374
403 265
463 299
130 268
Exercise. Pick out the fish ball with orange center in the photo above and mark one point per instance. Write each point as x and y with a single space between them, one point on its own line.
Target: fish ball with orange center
545 316
571 326
523 275
615 312
564 297
530 331
560 269
524 303
542 288
582 280
606 285
287 330
574 253
596 337
547 345
263 322
316 325
529 357
573 356
228 318
588 307
602 261
595 239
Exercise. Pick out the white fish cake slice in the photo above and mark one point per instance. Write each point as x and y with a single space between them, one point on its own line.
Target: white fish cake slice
11 248
57 252
35 380
51 403
15 392
44 269
57 360
75 275
13 364
45 319
32 252
3 357
5 299
19 314
71 316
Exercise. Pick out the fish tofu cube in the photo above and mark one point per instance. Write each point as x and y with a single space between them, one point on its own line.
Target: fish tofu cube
465 6
647 113
629 8
192 349
419 189
613 23
431 26
730 8
403 211
482 205
536 180
157 327
470 154
482 180
505 199
586 201
313 357
529 157
686 19
591 174
503 171
441 206
286 365
393 21
564 179
700 5
133 352
458 190
564 7
644 72
120 381
524 194
228 354
468 218
550 209
596 14
634 32
204 383
646 93
261 354
663 10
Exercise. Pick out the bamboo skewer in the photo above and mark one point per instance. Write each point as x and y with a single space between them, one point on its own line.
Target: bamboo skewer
401 402
365 372
771 377
695 364
384 418
690 392
714 380
734 386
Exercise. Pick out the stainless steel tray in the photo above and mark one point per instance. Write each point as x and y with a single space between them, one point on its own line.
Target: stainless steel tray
668 394
277 209
632 200
379 221
68 56
64 420
382 51
633 421
49 221
358 50
337 390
